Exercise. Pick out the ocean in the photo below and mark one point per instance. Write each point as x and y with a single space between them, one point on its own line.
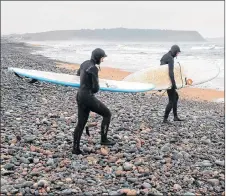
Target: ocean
134 56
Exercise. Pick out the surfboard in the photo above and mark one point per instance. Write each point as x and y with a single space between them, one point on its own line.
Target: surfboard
74 81
185 75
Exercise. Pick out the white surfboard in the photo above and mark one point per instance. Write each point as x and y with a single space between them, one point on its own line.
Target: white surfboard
185 75
74 81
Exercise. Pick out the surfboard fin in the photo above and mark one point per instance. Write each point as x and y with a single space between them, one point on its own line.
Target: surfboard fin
32 81
18 75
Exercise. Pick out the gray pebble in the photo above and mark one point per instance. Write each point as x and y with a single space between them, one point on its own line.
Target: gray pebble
14 191
27 184
158 157
131 179
50 162
29 138
146 185
3 181
189 194
80 181
67 192
221 163
213 182
9 166
37 193
36 160
88 194
166 148
114 193
42 183
27 190
127 166
24 160
204 163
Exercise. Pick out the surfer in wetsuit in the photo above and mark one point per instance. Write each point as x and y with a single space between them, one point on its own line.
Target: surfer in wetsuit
168 58
89 85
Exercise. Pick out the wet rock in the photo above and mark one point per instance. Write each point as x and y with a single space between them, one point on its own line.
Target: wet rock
50 162
221 163
27 184
114 193
213 182
205 163
3 182
24 160
67 192
177 187
9 166
166 148
189 194
131 180
29 138
43 183
127 166
146 185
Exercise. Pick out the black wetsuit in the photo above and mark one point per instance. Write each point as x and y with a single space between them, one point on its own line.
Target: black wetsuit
89 85
168 58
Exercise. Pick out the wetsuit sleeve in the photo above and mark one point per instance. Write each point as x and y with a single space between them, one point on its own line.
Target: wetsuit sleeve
93 71
78 72
171 72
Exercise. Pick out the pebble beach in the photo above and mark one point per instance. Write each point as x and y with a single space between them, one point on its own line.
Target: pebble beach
150 158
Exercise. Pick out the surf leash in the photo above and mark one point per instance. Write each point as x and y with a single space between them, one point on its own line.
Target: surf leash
159 99
189 82
181 75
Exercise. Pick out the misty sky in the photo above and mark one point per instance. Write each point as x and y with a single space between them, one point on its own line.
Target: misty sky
207 17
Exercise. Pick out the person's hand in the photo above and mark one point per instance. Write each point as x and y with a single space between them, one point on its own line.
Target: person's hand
174 86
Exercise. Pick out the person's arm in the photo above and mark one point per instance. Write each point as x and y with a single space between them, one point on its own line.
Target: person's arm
171 73
93 71
78 72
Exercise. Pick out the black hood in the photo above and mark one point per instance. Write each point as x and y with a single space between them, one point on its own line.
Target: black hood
97 54
174 50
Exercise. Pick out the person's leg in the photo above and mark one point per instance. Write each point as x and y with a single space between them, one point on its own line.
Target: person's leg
169 105
98 107
176 97
83 115
175 100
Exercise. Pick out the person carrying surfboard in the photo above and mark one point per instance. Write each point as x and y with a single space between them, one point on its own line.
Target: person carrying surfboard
168 58
89 85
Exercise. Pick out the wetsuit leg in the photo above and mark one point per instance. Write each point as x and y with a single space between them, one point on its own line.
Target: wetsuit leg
98 107
169 106
175 100
176 97
83 115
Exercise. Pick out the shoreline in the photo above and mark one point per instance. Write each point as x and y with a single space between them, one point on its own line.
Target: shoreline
198 94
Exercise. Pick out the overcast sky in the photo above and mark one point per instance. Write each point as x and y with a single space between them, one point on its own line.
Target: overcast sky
207 17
